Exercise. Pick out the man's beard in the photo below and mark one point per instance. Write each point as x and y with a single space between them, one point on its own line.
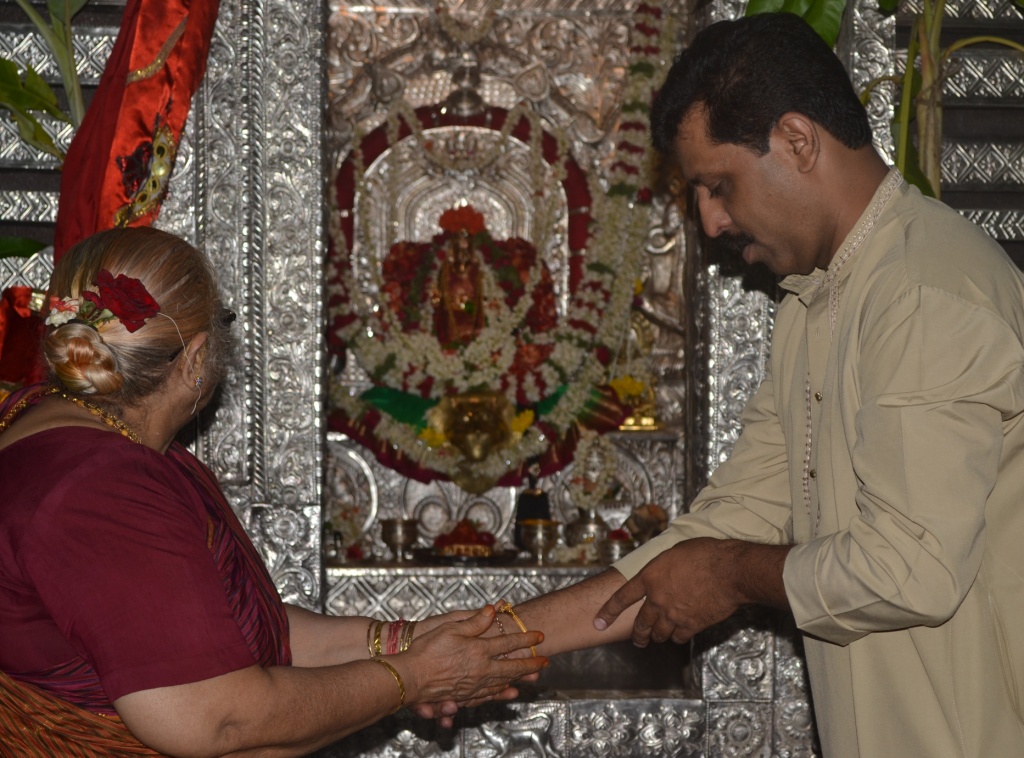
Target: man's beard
732 244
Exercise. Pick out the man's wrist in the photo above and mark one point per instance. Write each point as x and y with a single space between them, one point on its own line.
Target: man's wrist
755 573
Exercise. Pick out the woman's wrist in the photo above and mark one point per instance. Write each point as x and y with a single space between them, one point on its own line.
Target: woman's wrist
389 637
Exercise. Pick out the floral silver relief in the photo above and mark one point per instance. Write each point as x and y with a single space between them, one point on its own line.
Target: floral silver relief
601 730
740 730
671 729
259 218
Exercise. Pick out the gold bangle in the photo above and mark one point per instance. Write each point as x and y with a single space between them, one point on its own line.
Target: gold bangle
398 678
406 637
375 650
369 636
506 607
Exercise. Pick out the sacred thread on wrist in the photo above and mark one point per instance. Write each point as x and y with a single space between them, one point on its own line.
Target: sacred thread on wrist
398 678
506 607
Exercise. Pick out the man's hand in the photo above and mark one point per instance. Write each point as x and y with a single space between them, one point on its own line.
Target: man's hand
697 584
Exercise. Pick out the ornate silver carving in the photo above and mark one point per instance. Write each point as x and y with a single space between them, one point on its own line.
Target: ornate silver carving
407 181
974 163
537 729
647 467
30 205
16 154
1002 225
867 45
33 271
739 324
92 48
417 592
971 9
742 729
257 160
979 73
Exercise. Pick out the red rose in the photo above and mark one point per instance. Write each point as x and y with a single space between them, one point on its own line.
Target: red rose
125 297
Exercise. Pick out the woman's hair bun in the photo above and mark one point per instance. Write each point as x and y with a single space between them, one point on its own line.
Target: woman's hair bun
81 361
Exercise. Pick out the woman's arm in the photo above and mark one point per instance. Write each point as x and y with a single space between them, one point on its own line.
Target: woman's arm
320 640
317 639
291 711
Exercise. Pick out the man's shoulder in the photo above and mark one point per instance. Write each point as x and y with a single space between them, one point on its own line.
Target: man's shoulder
925 243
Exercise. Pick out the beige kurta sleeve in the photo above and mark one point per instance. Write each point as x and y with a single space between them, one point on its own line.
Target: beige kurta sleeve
748 496
937 378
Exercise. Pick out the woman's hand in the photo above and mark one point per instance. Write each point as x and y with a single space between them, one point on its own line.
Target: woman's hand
455 662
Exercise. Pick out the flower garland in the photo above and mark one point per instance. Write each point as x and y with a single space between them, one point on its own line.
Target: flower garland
124 299
590 485
549 372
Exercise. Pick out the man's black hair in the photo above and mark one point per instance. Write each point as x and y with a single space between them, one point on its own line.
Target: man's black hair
747 73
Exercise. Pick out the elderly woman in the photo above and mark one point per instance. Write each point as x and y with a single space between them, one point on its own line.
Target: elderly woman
136 618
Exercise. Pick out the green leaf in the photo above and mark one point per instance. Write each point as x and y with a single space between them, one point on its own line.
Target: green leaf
890 6
911 164
24 100
19 247
33 94
824 16
545 406
65 9
401 406
33 133
763 6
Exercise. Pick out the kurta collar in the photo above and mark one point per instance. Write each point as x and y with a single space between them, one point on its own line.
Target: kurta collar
808 286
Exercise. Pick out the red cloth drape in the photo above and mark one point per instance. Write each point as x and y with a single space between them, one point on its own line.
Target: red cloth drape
20 333
117 166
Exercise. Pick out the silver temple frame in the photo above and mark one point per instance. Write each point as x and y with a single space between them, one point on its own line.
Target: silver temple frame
249 187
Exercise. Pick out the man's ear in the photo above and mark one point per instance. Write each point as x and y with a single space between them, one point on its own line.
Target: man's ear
800 140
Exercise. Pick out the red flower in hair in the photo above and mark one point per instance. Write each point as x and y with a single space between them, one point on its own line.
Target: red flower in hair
465 219
125 297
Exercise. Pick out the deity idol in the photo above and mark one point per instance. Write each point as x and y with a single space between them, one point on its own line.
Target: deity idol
458 297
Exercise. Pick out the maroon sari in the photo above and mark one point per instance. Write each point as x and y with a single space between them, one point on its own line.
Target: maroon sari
63 711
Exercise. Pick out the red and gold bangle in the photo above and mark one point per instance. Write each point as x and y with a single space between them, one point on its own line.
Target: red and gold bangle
395 636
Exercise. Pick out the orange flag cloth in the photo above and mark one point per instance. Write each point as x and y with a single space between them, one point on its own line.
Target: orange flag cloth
120 159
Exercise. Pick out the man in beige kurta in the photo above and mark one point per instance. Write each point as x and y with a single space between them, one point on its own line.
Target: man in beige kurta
904 494
877 488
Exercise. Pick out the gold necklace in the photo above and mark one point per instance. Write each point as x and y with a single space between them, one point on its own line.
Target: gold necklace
105 416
